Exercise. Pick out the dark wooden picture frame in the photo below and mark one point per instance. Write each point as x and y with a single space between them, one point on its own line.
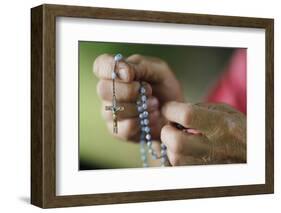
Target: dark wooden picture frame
43 105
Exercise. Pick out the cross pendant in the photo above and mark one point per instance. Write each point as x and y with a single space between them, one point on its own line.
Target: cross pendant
114 109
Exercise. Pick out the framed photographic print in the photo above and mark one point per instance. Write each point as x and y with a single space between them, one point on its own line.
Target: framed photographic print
135 106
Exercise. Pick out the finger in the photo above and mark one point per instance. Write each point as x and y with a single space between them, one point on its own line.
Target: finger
174 158
134 68
148 69
129 129
105 64
183 143
183 160
130 109
125 92
193 116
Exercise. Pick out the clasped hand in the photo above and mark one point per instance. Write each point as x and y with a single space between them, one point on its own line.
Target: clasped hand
211 133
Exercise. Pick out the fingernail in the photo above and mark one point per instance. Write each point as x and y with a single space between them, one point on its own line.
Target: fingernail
123 74
193 131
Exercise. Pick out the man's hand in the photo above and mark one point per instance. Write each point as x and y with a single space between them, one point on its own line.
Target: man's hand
211 133
161 87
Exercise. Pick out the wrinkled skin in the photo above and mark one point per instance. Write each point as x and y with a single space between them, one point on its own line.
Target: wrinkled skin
209 133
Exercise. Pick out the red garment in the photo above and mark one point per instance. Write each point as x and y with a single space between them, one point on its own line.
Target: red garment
231 87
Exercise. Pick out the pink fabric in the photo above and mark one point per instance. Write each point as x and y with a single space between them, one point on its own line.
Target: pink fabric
231 86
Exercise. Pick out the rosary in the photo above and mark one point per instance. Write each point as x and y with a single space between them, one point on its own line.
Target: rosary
145 130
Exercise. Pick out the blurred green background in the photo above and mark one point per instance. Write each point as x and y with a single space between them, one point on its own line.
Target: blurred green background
197 68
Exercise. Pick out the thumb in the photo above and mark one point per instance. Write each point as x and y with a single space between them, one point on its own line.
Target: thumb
194 116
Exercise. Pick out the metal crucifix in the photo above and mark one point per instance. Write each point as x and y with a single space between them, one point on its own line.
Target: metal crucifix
114 108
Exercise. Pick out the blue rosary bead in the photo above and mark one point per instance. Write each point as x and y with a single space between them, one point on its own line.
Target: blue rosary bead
144 106
147 129
145 114
148 137
145 136
143 98
142 90
118 57
163 146
146 121
154 156
163 160
140 109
